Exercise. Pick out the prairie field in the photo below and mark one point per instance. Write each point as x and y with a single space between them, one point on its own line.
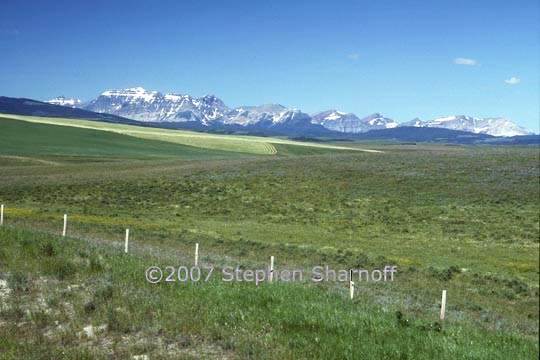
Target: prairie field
464 219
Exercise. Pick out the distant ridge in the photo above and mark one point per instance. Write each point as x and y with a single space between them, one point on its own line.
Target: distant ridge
29 107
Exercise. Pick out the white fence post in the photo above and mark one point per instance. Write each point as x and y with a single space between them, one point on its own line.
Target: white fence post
197 254
271 268
443 304
65 225
351 285
2 215
127 241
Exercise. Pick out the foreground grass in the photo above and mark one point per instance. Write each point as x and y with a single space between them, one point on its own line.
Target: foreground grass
463 219
55 287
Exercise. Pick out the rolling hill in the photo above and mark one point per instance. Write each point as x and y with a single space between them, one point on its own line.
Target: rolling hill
46 135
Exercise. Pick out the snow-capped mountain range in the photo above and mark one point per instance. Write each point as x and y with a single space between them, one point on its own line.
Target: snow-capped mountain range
350 123
139 104
490 126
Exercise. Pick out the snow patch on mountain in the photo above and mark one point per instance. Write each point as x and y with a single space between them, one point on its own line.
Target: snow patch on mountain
63 101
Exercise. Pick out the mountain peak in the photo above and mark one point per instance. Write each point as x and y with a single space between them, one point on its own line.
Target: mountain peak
137 89
350 123
374 116
138 104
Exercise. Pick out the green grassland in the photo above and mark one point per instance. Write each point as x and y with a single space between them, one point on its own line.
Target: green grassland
59 287
21 138
459 218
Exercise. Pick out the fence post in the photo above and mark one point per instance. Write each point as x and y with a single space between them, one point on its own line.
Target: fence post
65 225
443 304
271 268
2 215
197 254
351 285
127 241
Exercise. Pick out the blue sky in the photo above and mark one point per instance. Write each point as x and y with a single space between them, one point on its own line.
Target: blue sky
402 58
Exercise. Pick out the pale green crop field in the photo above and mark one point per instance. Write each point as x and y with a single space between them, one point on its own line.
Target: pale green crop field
236 143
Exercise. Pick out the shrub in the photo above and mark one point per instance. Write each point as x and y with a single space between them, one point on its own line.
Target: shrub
48 249
96 263
60 268
445 274
19 281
